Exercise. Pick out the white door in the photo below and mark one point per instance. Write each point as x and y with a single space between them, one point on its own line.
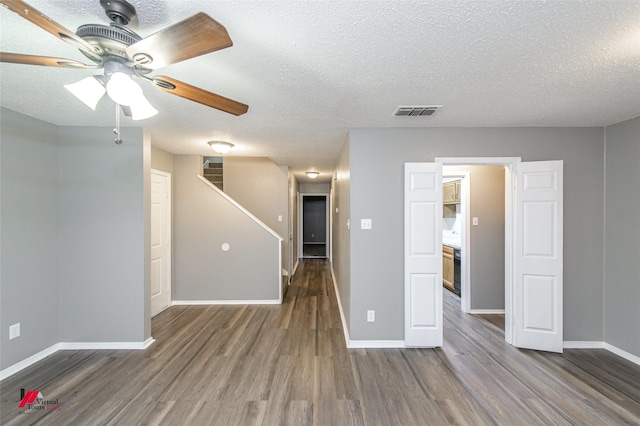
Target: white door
423 254
538 256
160 241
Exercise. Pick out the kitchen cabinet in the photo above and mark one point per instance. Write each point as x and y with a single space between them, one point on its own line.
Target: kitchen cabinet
448 275
451 192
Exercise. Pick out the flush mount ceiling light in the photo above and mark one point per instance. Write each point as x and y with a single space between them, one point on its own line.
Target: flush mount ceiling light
221 147
313 175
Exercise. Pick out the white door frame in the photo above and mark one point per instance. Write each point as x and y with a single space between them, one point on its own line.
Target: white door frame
328 222
169 220
509 211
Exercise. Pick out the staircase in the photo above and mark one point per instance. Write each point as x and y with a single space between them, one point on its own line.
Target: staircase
213 173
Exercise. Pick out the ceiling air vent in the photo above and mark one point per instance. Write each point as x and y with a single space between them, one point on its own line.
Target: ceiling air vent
416 111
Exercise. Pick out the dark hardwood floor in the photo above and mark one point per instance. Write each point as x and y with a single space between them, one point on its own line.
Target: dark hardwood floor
288 365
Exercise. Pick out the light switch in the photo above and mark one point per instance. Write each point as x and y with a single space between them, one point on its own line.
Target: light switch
475 221
280 218
365 224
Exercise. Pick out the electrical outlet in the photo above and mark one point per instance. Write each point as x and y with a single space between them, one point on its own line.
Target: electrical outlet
14 331
371 316
365 224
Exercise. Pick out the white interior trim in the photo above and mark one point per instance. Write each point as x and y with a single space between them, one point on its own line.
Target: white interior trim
76 346
487 311
345 330
624 354
243 210
27 362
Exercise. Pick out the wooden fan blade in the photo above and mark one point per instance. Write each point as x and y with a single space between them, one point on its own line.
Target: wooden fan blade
45 61
35 17
184 90
187 39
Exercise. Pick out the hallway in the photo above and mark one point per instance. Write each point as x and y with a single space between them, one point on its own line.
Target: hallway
288 365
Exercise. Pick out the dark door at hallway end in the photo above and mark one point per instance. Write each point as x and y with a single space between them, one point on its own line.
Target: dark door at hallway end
314 226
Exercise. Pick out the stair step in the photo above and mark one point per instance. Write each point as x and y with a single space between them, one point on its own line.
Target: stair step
213 172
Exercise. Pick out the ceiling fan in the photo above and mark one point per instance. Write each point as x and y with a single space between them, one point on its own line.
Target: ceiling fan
123 54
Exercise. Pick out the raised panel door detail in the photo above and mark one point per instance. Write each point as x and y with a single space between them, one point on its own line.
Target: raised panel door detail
422 181
539 294
538 237
423 290
423 219
156 277
422 255
538 264
540 180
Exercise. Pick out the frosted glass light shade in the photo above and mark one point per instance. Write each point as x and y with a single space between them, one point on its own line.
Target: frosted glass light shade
313 175
89 90
122 89
141 108
221 147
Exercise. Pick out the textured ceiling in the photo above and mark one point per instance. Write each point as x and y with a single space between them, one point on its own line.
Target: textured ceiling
309 71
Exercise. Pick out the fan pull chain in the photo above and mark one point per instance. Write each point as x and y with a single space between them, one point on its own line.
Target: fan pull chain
117 140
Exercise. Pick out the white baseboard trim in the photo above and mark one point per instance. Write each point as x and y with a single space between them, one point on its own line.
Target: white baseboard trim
225 302
65 346
19 366
79 346
295 267
486 311
602 345
624 354
345 330
570 344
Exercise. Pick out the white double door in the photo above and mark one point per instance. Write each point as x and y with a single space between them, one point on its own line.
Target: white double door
535 305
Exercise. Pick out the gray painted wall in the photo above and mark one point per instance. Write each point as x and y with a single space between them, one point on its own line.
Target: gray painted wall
202 221
29 240
377 157
161 160
341 212
261 187
71 209
622 233
315 188
103 281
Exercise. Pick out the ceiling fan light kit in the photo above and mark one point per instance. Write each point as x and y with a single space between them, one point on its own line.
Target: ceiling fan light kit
89 90
221 147
124 54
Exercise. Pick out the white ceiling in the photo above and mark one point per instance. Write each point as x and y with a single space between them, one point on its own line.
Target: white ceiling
309 71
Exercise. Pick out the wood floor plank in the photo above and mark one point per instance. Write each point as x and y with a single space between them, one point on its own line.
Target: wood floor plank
289 365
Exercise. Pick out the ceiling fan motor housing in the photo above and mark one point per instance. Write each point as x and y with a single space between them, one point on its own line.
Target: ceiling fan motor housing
119 11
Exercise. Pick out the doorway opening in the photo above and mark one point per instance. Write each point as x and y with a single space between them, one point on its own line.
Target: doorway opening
315 226
496 189
533 248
